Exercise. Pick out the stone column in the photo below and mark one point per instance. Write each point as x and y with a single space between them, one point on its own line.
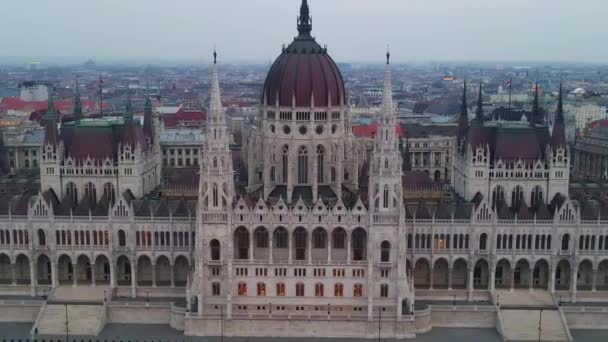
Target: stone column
309 245
75 274
329 247
348 235
531 279
315 180
172 269
289 247
251 246
573 283
450 269
14 273
492 284
551 279
54 275
270 246
112 274
33 281
594 281
470 284
93 275
512 279
154 275
431 277
133 280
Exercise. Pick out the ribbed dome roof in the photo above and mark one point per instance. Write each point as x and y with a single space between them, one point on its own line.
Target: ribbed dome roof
303 70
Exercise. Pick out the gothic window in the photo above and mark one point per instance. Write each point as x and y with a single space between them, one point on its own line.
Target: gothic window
299 290
320 164
517 197
536 196
280 238
385 251
280 289
319 238
242 289
214 245
359 240
90 193
285 165
318 290
483 241
338 290
215 195
300 237
333 174
385 197
565 242
358 290
41 237
241 243
272 174
109 192
338 238
302 165
498 195
122 240
72 192
261 237
384 290
261 289
386 163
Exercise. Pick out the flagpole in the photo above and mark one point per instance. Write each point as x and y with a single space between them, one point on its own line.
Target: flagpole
510 86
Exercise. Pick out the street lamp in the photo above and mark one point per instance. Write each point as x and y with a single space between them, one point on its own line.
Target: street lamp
379 322
540 322
222 323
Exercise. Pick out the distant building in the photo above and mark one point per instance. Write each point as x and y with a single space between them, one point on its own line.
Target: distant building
591 153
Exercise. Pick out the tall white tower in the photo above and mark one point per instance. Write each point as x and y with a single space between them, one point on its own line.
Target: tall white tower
216 191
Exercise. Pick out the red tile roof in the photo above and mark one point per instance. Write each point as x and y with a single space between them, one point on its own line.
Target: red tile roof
14 103
369 131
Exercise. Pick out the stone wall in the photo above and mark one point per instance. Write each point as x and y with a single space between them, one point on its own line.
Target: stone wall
19 311
139 313
586 317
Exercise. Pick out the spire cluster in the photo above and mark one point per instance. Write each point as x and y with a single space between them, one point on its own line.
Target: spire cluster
304 20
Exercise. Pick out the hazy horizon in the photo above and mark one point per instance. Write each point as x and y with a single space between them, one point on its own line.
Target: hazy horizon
185 31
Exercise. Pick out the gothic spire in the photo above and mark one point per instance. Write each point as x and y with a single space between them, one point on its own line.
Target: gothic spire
148 130
558 136
216 110
128 114
304 20
535 106
479 111
50 120
77 103
463 120
387 98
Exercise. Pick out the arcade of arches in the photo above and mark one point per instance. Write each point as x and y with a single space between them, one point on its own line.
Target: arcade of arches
67 270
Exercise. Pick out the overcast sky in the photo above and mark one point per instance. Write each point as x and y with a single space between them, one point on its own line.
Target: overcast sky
354 30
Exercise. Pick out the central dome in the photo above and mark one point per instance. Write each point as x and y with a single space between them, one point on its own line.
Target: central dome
304 73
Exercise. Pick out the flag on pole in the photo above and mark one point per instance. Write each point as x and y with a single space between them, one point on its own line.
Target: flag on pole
509 82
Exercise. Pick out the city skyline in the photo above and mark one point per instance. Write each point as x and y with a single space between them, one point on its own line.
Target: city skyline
354 31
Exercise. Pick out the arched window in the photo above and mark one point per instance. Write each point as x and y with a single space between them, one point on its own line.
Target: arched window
318 290
517 197
261 237
338 238
90 193
215 196
109 192
122 239
72 192
385 251
285 165
214 246
359 239
41 237
280 238
338 290
242 289
319 238
358 290
302 165
566 242
383 290
385 197
320 164
483 242
299 290
241 236
299 237
261 289
536 197
280 290
498 196
272 174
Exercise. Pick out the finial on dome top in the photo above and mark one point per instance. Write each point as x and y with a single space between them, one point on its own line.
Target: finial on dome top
388 55
304 20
